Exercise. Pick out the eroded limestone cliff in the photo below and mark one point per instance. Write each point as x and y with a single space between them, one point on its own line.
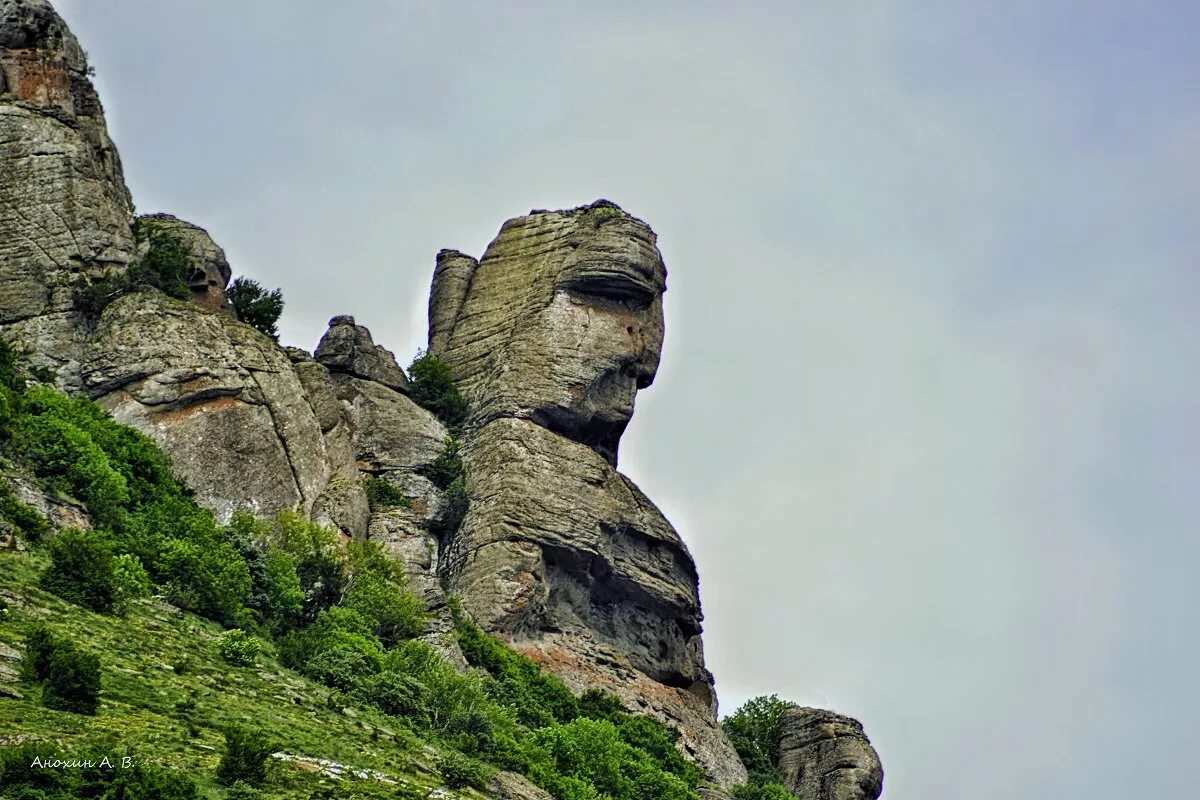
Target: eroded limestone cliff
550 335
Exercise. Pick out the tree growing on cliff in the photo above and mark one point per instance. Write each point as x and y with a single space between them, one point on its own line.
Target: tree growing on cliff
433 388
754 731
255 306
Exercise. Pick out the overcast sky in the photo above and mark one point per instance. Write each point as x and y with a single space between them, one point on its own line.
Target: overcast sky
927 410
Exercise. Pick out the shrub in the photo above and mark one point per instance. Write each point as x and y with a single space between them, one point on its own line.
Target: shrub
72 681
255 306
397 694
238 648
762 791
540 699
40 644
29 522
241 790
245 757
81 569
383 494
130 581
375 588
432 387
276 596
458 771
318 558
447 467
449 695
339 649
165 267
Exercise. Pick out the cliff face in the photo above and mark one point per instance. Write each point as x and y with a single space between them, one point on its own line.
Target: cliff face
550 335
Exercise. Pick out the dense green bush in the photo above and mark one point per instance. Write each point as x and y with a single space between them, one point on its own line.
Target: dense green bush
539 698
588 758
238 648
276 596
73 681
383 494
458 770
140 781
339 649
165 267
70 678
318 559
256 306
432 386
245 757
376 589
241 790
40 644
82 569
130 581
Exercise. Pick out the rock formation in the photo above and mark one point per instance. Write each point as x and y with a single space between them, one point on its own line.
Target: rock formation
64 207
826 756
550 335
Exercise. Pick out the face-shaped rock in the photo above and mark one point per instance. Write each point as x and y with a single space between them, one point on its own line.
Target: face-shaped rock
827 756
560 322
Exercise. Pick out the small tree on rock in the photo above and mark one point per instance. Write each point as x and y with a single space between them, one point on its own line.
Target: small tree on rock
255 306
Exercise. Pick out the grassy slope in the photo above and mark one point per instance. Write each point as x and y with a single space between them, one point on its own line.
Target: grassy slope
141 690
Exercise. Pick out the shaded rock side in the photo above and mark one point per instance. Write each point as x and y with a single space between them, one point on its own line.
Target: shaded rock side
827 756
64 208
348 347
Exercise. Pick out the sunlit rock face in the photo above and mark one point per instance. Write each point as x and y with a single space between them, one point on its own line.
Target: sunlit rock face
560 322
550 335
827 756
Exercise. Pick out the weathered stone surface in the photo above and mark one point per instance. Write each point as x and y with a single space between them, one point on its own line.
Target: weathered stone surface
64 208
560 323
343 502
451 282
349 348
219 396
827 756
511 786
550 337
210 276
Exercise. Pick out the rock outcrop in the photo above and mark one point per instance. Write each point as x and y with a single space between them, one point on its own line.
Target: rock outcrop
550 336
826 756
209 277
348 347
64 208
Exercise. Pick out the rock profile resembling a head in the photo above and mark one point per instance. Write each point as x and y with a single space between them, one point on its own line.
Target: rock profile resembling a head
560 322
550 336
